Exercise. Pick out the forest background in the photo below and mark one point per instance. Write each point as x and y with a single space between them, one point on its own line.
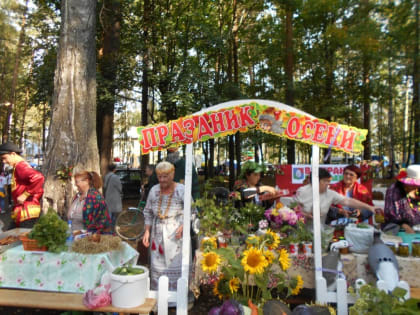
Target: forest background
75 72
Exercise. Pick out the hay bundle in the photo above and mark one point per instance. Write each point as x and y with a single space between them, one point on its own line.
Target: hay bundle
87 245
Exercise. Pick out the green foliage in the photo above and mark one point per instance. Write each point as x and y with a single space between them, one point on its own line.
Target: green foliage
246 217
50 231
373 301
214 217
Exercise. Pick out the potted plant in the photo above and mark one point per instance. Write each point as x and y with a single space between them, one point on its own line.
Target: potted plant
214 217
50 231
371 300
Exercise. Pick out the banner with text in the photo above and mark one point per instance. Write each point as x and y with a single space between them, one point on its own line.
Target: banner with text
301 171
247 116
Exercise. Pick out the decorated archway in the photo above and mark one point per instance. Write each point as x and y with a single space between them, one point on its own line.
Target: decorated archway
240 116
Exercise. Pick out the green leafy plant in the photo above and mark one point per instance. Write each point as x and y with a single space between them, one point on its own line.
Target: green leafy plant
50 231
371 300
245 218
214 217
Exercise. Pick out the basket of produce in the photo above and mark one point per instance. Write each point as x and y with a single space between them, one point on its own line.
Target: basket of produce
31 244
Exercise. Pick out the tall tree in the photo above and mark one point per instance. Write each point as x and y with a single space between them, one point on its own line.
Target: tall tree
416 85
10 108
110 21
72 135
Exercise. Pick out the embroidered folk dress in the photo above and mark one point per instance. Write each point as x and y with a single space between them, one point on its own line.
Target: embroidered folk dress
165 248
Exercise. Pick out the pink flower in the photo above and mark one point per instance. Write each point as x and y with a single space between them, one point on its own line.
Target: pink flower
60 283
58 262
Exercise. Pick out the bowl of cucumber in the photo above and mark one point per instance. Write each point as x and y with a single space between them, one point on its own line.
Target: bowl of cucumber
129 286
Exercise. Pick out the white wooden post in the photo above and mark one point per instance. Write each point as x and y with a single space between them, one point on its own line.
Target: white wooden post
182 290
162 298
181 298
320 286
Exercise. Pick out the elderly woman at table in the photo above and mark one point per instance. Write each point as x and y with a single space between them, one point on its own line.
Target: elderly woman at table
88 210
350 187
402 201
164 217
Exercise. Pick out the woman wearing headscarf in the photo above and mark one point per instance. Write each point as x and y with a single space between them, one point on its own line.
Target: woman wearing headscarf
88 210
402 200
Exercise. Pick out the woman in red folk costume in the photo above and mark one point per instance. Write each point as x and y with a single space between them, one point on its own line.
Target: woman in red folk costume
26 187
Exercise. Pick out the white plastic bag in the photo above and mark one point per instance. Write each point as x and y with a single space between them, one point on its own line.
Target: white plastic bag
360 239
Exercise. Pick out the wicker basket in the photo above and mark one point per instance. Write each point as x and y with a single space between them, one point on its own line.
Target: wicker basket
31 244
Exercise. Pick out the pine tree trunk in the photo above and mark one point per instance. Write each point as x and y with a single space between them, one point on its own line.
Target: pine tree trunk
145 81
72 135
416 88
108 67
290 96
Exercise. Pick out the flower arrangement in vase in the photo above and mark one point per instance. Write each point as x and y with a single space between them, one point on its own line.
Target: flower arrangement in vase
280 215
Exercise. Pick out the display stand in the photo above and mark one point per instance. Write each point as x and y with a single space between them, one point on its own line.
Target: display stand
291 123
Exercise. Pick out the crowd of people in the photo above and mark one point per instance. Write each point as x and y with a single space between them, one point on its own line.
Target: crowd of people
96 210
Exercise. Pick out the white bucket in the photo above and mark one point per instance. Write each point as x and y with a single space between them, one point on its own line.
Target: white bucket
130 291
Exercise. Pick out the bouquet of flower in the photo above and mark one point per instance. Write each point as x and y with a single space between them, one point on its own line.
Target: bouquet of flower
280 215
64 173
252 272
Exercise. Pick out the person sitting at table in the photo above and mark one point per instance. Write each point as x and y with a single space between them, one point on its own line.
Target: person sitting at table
88 210
350 187
402 201
250 188
327 197
164 218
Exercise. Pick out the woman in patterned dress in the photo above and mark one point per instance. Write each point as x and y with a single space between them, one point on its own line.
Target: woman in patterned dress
164 215
88 210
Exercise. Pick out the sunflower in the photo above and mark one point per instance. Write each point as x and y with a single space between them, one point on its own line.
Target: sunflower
284 259
269 256
273 240
221 287
210 262
234 284
208 243
254 261
299 285
252 240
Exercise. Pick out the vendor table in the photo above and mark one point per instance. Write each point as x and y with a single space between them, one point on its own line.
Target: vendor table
63 272
354 266
63 301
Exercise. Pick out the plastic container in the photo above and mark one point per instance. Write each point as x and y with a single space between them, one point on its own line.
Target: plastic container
130 291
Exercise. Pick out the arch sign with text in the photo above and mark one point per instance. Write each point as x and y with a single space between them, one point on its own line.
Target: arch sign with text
270 117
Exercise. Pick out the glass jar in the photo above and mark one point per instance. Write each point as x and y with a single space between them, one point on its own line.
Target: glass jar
404 250
415 248
392 246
